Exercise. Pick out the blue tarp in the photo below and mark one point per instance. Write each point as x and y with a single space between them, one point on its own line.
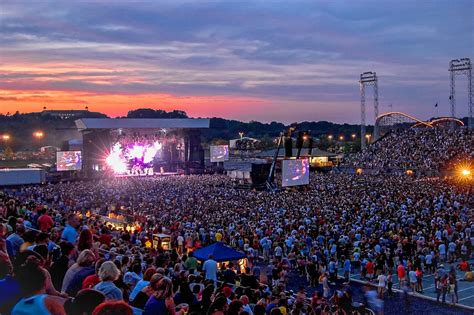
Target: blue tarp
220 253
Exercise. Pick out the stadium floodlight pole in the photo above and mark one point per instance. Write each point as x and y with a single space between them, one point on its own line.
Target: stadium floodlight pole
271 174
299 143
362 116
461 66
368 79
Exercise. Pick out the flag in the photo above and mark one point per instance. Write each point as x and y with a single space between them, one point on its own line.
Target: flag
436 105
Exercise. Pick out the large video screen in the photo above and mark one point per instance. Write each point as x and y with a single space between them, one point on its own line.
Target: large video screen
219 153
295 172
68 160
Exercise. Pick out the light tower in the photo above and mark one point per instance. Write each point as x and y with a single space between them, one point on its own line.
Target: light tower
368 79
461 67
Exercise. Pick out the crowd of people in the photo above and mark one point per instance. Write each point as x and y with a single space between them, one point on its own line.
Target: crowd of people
423 150
47 154
59 255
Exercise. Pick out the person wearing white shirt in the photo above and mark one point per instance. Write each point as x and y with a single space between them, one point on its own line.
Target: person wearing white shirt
412 278
382 279
278 252
180 240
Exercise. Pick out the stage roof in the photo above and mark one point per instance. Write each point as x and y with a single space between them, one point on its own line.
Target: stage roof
141 123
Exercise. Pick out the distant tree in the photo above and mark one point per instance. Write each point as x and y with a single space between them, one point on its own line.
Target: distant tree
267 142
219 141
92 115
8 153
217 123
324 143
141 113
178 114
348 148
356 146
157 114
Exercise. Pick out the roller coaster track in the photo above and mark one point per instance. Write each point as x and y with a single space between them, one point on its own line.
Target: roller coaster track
442 120
392 120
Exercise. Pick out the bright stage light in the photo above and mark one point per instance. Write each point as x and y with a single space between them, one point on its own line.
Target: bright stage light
119 158
150 152
38 134
116 164
115 160
464 173
136 151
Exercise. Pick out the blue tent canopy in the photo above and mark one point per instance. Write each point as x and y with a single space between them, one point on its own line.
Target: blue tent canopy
219 251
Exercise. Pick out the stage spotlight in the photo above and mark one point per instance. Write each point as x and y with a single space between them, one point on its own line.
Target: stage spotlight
117 165
38 134
150 152
465 172
115 160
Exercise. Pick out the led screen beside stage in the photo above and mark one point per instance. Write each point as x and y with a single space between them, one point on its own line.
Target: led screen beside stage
68 161
219 153
295 172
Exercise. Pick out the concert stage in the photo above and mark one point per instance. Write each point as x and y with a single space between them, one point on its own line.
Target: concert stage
141 147
165 174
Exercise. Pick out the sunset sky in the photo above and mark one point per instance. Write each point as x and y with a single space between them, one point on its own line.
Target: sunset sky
255 60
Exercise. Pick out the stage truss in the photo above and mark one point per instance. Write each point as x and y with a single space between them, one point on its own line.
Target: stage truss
368 79
461 67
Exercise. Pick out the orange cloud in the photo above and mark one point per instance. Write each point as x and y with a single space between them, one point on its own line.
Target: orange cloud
118 105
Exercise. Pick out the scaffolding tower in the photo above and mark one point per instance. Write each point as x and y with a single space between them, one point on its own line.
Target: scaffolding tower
461 67
368 79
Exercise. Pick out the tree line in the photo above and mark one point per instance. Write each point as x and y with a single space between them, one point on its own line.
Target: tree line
21 127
